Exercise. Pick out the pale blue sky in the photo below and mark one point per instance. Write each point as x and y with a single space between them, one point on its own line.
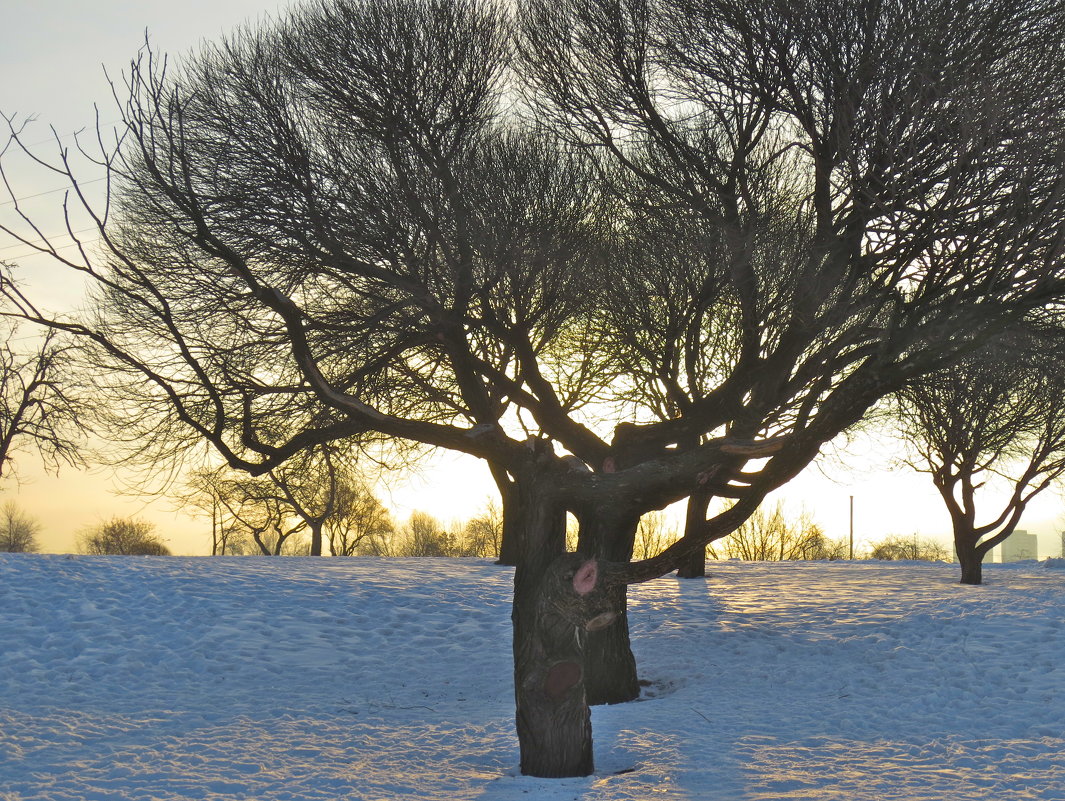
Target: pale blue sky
52 52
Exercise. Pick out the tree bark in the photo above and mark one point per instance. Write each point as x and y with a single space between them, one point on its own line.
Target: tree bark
554 720
610 667
971 559
510 499
693 566
556 597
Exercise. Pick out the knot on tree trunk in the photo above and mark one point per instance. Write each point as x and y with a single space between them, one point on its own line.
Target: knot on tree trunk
573 599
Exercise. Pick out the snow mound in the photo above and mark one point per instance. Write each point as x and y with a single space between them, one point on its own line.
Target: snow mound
368 679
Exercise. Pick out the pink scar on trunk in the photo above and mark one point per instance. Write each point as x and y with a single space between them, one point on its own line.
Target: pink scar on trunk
585 577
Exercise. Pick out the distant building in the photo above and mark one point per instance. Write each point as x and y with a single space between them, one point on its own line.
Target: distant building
1020 545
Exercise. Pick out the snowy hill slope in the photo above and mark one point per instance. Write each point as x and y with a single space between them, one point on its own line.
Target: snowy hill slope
254 678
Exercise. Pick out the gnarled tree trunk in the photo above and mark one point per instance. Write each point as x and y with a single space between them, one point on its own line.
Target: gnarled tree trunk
554 720
610 667
557 598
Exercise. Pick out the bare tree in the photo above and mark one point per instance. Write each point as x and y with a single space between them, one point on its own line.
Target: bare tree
208 491
344 225
996 418
653 535
262 513
831 182
18 531
770 536
911 548
38 407
123 537
359 523
483 533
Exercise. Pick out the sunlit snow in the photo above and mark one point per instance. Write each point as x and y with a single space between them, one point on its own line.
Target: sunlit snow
299 678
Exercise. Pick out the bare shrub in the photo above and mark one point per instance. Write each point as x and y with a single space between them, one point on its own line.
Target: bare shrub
18 531
124 536
912 548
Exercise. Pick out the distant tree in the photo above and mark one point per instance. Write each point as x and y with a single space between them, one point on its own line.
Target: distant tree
359 524
653 534
123 537
206 491
769 536
908 548
256 506
997 418
18 531
483 533
424 535
38 410
316 492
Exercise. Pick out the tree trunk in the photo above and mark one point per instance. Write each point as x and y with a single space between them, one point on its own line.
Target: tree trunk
510 499
551 595
693 566
971 559
553 713
610 667
316 539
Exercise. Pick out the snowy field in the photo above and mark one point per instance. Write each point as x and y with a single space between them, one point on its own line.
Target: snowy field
256 678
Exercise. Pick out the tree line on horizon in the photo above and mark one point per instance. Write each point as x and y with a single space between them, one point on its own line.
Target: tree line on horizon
627 252
767 536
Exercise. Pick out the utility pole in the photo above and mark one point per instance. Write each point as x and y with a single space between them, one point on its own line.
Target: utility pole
852 529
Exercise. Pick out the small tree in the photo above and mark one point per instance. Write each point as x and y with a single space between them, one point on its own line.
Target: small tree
207 492
996 417
483 533
909 548
424 535
123 536
359 524
37 410
771 537
18 532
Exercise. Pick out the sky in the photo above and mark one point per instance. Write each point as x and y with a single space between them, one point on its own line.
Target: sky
53 57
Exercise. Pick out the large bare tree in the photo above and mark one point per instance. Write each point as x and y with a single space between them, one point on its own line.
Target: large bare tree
731 229
861 178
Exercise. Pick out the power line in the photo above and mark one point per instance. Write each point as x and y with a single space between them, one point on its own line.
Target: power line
32 253
46 241
52 191
100 127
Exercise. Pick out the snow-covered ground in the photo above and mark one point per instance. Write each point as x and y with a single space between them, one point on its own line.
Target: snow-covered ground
255 678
